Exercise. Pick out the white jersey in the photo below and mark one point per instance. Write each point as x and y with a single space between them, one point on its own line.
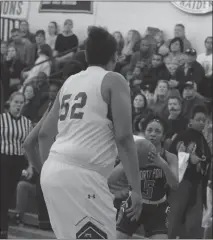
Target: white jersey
85 134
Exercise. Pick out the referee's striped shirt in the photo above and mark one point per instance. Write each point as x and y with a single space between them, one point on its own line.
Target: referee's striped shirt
13 133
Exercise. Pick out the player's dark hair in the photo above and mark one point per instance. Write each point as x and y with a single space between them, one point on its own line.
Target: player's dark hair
152 118
199 109
101 46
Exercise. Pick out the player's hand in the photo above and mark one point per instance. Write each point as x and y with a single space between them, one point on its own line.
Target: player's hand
152 155
29 172
195 159
134 211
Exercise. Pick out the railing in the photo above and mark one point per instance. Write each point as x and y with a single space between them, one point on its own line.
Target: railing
7 24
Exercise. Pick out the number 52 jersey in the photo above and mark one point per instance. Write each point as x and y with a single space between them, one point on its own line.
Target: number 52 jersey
85 133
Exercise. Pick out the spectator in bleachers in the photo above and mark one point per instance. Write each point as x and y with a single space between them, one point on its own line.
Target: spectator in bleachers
155 72
14 66
190 99
205 59
175 52
3 51
179 32
172 68
31 106
44 54
40 39
25 49
185 218
25 31
52 34
190 71
66 41
120 42
176 122
160 101
143 57
131 45
161 47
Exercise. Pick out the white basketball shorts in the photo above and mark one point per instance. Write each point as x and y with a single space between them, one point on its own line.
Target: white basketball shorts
79 202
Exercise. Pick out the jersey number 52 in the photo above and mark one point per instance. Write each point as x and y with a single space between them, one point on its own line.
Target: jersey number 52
65 106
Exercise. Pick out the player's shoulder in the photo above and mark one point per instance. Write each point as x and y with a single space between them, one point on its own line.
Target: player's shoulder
170 156
114 78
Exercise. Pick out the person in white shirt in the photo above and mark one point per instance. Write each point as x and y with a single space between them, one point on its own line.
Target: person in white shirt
205 59
92 118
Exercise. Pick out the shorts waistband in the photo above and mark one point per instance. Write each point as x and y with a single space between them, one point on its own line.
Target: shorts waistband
162 200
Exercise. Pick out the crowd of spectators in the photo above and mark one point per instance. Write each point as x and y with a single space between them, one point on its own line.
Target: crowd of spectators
166 77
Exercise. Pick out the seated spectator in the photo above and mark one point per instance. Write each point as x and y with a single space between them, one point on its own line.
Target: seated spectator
40 38
25 32
26 188
131 45
161 47
44 54
191 71
14 67
158 104
175 52
176 122
120 42
142 57
190 99
52 34
25 49
31 106
155 72
3 51
179 32
172 68
66 41
205 59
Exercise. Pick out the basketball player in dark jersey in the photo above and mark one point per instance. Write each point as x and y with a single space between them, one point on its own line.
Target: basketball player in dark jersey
155 176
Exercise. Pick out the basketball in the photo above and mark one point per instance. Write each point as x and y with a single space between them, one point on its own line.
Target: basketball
143 148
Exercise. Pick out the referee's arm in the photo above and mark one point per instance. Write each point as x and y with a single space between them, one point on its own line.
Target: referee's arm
49 130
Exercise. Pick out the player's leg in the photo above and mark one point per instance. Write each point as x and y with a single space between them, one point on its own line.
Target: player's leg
155 225
78 201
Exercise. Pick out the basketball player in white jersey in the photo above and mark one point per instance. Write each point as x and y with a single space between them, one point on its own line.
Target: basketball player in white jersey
74 176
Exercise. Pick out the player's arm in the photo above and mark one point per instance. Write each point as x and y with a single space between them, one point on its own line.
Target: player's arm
117 182
116 92
31 145
48 131
170 169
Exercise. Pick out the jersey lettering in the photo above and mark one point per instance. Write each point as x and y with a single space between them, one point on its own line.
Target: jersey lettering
65 106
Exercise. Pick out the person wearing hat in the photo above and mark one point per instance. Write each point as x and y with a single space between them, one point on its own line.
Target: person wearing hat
191 70
190 98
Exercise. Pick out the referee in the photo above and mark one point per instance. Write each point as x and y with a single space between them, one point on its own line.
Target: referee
14 130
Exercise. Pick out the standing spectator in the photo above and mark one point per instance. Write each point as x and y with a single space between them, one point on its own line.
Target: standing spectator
52 34
175 52
191 71
143 57
120 42
3 51
42 64
205 59
160 99
188 201
14 130
14 67
179 32
25 49
190 99
65 42
25 31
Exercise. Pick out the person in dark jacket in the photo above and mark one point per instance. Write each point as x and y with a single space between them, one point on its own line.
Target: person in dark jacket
187 203
190 71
